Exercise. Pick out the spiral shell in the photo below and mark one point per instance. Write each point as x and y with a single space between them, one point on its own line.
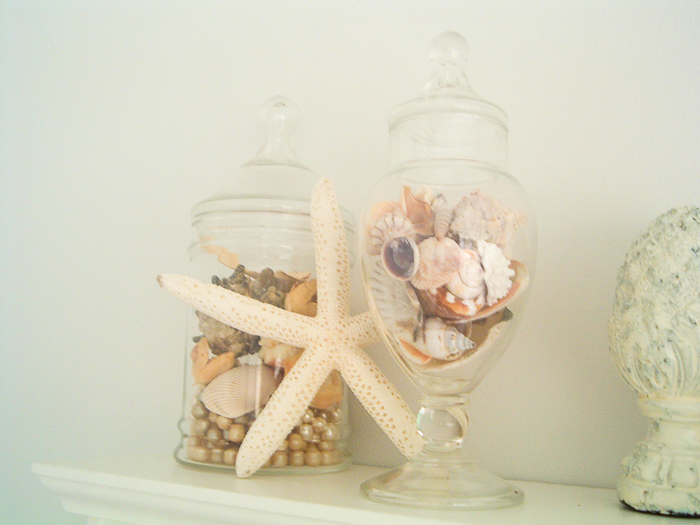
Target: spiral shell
468 283
439 260
400 257
240 390
375 213
442 216
441 341
390 226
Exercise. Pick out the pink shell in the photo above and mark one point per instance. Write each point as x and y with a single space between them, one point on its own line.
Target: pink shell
439 260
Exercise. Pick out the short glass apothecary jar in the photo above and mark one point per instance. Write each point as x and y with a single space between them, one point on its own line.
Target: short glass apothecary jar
254 237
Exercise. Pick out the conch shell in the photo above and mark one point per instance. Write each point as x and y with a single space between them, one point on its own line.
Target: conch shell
240 390
437 339
417 209
439 260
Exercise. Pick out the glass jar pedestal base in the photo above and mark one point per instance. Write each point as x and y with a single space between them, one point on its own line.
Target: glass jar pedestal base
439 480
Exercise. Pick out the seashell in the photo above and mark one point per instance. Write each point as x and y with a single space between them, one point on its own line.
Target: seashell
390 226
497 271
418 211
216 366
199 356
393 302
485 333
377 211
443 304
400 257
225 257
439 260
468 282
300 297
240 390
278 355
437 339
330 393
481 217
442 216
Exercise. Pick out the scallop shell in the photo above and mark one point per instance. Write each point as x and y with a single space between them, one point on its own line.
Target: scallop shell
437 339
390 226
441 303
439 260
418 211
240 390
442 216
400 257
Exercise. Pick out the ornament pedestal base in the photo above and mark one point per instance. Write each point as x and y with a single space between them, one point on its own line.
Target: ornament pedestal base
662 474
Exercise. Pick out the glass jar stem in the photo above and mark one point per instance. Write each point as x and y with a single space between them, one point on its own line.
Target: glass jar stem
443 423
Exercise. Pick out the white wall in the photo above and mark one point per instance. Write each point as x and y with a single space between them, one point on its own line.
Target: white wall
116 117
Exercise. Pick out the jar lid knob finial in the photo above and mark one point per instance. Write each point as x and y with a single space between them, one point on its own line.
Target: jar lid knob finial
448 54
280 116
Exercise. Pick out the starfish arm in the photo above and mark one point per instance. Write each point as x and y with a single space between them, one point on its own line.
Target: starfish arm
331 251
362 329
381 400
282 411
238 311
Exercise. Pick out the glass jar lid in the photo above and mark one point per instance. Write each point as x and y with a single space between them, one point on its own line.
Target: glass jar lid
449 89
449 120
274 184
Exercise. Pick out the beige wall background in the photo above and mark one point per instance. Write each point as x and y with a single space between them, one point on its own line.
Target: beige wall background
117 117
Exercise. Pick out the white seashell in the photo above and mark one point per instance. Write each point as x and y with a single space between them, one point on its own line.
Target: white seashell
440 340
497 271
468 283
390 226
393 302
439 260
481 217
442 216
400 257
240 390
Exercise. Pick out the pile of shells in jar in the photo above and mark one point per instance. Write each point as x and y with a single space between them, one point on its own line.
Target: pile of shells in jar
235 374
442 275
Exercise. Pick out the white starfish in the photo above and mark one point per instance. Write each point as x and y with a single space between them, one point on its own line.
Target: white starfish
332 340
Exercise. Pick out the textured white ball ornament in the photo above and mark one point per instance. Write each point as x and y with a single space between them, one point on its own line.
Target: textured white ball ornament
655 341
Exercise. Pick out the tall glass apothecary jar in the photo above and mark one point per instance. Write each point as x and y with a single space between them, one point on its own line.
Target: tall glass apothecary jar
447 248
254 237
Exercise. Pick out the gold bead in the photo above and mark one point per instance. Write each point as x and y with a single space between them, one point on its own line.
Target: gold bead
198 453
223 422
217 455
313 457
279 459
320 424
229 456
296 458
295 442
236 433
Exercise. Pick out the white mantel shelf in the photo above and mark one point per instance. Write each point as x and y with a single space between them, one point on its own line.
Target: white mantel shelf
158 491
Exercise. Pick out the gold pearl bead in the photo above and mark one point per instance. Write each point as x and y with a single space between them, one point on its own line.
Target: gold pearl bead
236 433
295 442
229 456
199 454
296 458
279 459
320 424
